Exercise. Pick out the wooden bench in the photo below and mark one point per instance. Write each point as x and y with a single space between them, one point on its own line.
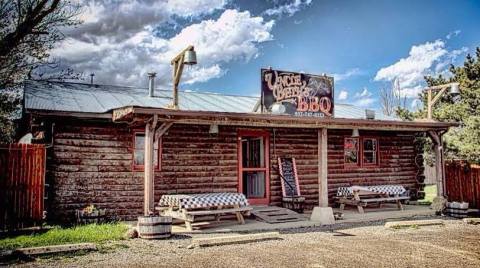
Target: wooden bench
189 215
361 199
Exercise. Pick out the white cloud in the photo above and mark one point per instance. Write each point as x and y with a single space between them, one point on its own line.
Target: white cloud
349 73
288 9
411 70
364 93
430 58
188 8
343 95
363 98
203 74
125 58
453 34
233 36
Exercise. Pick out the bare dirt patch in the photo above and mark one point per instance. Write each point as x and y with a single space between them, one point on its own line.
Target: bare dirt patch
452 245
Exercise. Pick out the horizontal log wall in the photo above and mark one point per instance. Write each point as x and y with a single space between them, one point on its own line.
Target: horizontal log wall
396 161
194 161
92 164
302 145
396 156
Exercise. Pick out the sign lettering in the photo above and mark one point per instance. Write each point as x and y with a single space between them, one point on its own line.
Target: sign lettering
301 94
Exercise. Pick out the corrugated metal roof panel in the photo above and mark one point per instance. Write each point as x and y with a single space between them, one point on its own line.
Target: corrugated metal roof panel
79 97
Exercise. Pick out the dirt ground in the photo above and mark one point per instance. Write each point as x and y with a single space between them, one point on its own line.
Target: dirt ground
452 245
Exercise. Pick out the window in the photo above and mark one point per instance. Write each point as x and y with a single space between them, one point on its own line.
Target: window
351 151
139 152
360 152
369 151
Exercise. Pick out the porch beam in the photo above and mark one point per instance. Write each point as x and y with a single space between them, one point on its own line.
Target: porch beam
149 174
162 129
322 167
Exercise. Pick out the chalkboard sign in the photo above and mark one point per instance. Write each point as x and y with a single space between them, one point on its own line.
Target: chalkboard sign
288 176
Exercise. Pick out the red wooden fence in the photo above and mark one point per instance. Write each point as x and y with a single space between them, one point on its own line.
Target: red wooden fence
22 182
462 181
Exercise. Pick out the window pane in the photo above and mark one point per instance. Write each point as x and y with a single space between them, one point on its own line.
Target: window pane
351 157
351 150
139 157
254 184
253 152
139 151
139 141
369 145
351 144
369 158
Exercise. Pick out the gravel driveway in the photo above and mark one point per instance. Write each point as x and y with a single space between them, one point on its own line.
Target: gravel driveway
453 245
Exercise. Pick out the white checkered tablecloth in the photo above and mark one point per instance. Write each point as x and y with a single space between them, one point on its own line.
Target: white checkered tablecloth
189 201
381 189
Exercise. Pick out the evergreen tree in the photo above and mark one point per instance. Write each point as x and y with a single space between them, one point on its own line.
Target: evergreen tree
464 141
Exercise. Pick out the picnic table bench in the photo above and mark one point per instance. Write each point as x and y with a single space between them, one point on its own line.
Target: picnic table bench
361 196
188 206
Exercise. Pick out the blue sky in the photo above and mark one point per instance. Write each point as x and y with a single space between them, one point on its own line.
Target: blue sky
365 45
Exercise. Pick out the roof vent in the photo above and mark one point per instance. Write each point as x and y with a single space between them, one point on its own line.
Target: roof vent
151 84
369 114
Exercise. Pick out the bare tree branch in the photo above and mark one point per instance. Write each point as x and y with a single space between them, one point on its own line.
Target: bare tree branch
392 100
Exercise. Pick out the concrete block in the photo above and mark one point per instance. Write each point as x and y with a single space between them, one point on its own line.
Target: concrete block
406 224
232 239
323 215
472 221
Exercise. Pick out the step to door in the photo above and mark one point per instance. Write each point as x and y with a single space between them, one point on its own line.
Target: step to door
276 214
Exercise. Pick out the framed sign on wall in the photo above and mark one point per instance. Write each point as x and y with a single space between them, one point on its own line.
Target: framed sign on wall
297 94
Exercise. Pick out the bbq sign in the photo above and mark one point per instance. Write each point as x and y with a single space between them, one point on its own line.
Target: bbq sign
297 93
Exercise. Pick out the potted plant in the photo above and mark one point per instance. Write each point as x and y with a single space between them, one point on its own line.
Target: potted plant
90 214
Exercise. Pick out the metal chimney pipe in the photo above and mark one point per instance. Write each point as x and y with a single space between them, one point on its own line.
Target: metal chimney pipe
151 84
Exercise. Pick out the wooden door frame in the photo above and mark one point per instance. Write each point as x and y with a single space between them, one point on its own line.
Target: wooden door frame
266 147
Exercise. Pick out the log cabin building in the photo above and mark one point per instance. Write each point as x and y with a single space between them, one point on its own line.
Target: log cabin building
96 137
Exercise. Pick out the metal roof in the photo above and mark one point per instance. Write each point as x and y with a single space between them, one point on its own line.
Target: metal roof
87 98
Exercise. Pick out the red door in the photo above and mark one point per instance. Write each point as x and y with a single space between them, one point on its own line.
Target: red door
254 166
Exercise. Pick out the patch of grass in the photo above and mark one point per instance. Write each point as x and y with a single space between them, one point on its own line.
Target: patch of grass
430 193
91 233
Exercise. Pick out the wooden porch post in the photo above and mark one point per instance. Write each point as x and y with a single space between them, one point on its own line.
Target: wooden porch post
149 167
322 168
439 163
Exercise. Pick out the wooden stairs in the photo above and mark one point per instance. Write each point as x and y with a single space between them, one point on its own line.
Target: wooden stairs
272 214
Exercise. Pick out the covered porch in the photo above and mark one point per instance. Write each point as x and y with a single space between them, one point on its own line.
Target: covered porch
157 122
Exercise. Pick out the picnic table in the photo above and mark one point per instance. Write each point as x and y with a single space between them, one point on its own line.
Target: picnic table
187 206
361 196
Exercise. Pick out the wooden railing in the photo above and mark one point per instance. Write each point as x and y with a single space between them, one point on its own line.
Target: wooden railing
462 181
22 182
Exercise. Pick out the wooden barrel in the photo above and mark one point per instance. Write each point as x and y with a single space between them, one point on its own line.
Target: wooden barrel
154 227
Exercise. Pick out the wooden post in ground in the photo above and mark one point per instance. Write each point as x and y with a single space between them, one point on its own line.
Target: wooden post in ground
149 166
439 164
322 168
323 213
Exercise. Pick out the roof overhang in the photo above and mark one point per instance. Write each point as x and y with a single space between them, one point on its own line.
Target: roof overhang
140 115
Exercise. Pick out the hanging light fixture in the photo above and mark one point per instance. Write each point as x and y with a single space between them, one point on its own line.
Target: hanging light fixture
213 129
355 133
